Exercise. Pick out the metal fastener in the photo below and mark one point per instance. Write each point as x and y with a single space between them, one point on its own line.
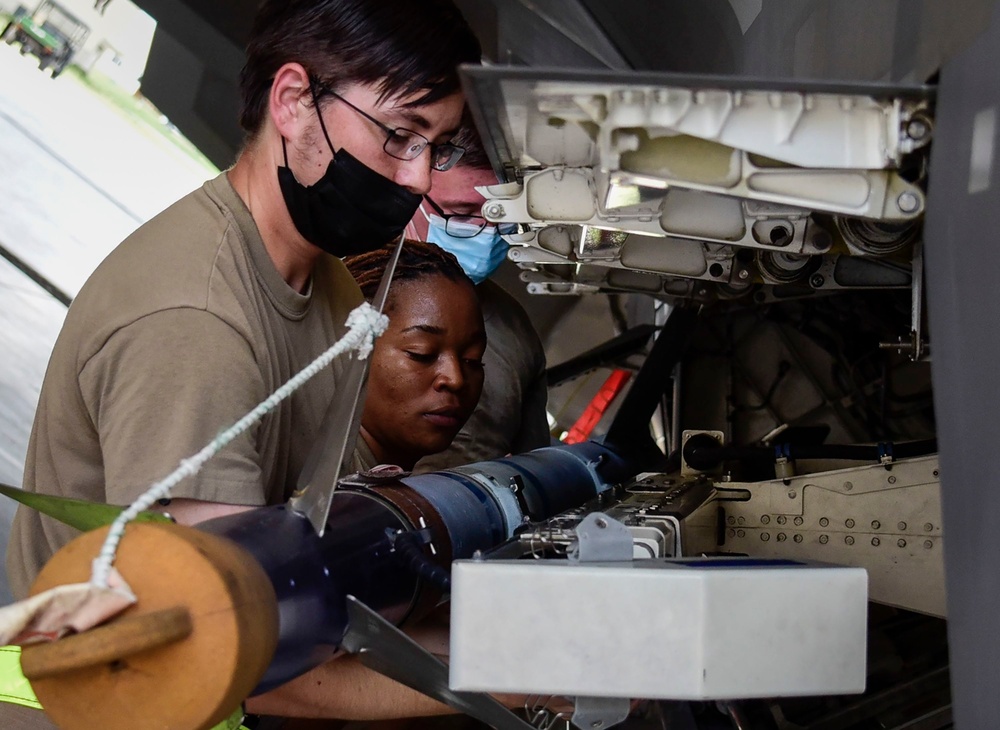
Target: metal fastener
901 525
928 544
891 480
731 520
797 538
928 527
848 486
495 211
901 542
917 129
601 522
816 281
908 202
791 494
876 542
798 520
764 536
782 519
741 520
849 540
935 472
849 523
741 533
823 522
743 274
823 539
782 537
731 532
876 524
765 520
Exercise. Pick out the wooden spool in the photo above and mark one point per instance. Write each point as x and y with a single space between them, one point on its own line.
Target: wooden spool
183 658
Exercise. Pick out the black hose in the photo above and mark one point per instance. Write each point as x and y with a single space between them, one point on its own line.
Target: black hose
409 551
701 455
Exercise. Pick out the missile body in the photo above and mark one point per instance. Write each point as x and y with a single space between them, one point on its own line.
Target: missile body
452 513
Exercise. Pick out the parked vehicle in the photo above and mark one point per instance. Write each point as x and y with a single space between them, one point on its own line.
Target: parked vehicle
51 33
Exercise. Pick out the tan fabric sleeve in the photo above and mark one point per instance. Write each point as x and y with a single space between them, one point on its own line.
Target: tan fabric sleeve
162 388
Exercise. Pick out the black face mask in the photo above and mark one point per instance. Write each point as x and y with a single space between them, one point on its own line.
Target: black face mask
351 209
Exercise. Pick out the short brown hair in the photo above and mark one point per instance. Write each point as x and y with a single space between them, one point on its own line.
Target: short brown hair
400 46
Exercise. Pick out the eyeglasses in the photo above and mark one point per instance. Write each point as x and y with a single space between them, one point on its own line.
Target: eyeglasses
469 226
405 144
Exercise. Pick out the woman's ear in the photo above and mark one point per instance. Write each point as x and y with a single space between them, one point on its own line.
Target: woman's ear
290 100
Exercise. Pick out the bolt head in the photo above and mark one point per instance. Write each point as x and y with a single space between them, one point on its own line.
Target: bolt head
823 539
797 538
823 522
816 281
908 202
849 540
849 523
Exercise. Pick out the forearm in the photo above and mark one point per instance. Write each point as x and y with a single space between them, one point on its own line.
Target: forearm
345 689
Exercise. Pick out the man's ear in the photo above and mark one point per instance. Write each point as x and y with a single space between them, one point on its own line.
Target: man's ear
290 99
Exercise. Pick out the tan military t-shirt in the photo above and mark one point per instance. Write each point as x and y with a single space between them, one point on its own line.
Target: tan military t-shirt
184 328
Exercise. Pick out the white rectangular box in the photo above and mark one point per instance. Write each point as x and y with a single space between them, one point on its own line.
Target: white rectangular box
658 629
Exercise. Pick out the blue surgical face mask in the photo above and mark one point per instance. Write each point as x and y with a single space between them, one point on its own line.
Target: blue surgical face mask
479 256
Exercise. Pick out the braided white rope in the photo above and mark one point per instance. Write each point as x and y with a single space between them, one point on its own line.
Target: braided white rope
365 323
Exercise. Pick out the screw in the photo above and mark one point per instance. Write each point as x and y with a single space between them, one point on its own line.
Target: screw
823 522
901 525
764 536
601 522
917 129
816 281
731 520
928 527
765 520
823 539
849 523
797 538
741 521
495 211
782 520
876 524
849 540
901 542
876 542
892 480
791 494
740 533
928 544
782 537
848 486
731 533
743 274
597 723
798 520
908 202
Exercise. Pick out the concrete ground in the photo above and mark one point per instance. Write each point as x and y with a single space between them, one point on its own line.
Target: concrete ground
77 175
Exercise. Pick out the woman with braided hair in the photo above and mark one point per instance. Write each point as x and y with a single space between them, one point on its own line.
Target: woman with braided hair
427 368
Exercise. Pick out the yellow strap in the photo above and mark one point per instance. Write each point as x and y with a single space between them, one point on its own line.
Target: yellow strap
16 690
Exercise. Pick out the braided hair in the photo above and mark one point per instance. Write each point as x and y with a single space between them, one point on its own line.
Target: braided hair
417 260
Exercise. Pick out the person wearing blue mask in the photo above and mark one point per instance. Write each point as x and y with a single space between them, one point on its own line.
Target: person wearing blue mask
511 416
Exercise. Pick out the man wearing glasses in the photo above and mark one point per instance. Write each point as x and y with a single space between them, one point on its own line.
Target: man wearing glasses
348 105
511 416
